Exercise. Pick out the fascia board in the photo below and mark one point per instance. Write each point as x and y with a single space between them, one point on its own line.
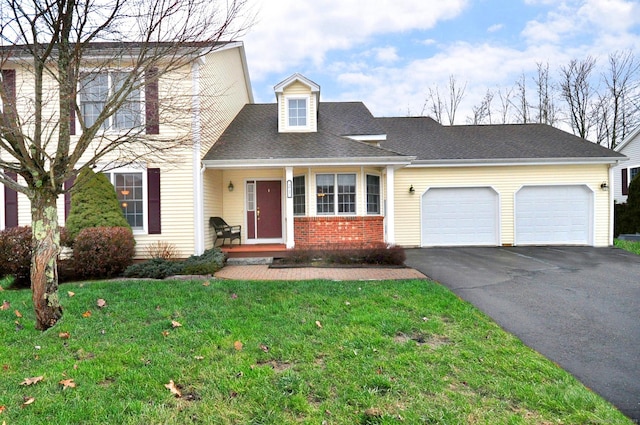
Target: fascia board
513 162
307 162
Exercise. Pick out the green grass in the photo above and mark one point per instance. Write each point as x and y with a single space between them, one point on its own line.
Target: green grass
630 246
312 352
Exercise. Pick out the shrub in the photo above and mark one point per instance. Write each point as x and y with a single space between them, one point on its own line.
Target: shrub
162 249
93 204
209 262
156 268
15 254
374 255
103 251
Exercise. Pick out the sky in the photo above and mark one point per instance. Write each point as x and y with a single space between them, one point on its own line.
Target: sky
389 53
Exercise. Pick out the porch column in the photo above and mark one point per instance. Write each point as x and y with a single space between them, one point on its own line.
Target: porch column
288 208
390 208
198 185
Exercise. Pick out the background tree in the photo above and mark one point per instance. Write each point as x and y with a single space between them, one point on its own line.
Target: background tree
51 42
448 104
577 89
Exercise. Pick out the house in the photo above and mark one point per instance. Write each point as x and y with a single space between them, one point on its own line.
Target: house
163 198
625 172
304 173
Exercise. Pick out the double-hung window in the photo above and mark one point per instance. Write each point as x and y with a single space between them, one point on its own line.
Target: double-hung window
297 112
373 194
130 189
633 172
336 193
99 88
299 198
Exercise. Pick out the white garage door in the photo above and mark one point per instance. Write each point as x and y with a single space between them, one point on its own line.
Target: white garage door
554 215
460 216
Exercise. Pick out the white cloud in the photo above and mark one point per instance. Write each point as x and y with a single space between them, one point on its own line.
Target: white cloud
292 32
495 28
386 54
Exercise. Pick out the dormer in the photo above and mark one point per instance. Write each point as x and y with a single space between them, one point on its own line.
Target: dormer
298 99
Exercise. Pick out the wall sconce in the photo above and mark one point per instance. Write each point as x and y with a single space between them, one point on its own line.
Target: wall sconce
125 192
230 187
604 186
412 190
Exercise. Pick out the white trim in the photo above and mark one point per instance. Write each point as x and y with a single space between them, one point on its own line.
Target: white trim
131 169
307 162
450 163
279 88
288 210
627 140
612 193
369 138
198 185
283 194
294 128
389 210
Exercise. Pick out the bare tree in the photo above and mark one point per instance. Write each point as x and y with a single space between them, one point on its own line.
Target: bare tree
46 48
621 81
481 114
546 110
520 101
577 89
439 106
505 104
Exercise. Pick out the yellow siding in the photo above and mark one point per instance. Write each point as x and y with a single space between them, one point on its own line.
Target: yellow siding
223 91
506 181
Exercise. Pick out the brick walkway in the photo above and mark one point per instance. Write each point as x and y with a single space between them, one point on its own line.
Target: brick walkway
263 272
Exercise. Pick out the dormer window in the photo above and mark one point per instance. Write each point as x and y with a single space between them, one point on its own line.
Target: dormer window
297 109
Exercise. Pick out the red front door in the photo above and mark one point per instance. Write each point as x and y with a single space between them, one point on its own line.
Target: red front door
268 213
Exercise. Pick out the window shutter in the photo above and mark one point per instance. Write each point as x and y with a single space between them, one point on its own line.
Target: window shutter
10 204
9 87
625 182
153 201
67 198
152 107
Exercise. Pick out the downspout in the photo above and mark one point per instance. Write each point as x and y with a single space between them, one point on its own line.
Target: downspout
611 206
198 173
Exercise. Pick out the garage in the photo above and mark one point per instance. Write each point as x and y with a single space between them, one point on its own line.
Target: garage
554 215
460 216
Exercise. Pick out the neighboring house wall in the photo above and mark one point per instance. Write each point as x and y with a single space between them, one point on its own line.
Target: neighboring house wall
506 181
630 148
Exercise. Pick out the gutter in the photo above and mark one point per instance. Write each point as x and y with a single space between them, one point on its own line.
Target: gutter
304 162
436 163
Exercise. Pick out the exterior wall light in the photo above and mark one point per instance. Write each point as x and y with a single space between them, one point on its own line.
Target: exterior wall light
230 187
604 186
412 190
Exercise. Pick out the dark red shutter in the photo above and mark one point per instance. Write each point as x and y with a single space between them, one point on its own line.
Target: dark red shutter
9 88
625 182
67 198
153 199
152 107
10 204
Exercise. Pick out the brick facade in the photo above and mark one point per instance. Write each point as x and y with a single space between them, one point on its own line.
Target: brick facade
339 232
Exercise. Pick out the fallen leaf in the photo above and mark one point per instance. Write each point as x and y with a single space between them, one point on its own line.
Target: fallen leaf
171 386
2 409
237 345
199 357
6 305
318 324
70 294
264 348
101 303
67 383
86 314
64 335
234 296
28 401
18 314
5 367
206 283
31 381
175 324
1 288
165 333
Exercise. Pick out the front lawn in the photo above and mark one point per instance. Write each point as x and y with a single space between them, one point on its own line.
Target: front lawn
631 246
312 352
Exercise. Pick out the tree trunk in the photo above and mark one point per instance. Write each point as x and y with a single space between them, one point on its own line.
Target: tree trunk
44 270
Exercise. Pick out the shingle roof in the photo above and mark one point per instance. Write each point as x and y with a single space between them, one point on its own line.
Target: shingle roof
253 135
429 141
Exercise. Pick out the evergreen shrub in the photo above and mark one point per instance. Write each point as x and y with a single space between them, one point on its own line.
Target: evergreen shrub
94 203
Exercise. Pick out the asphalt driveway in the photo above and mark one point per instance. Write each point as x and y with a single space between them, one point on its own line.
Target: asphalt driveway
578 306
